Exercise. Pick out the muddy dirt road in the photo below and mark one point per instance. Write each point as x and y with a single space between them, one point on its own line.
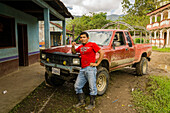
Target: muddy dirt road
117 99
123 82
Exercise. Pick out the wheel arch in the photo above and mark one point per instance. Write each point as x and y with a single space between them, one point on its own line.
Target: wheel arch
104 63
145 55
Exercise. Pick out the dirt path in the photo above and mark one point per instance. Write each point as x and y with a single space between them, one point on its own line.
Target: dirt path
123 81
117 99
160 63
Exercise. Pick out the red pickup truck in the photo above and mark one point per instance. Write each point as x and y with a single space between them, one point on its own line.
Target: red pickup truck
120 51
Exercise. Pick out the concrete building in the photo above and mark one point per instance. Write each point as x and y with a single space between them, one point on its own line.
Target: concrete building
55 34
160 25
19 30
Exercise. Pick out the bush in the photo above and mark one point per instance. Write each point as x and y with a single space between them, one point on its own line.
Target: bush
138 40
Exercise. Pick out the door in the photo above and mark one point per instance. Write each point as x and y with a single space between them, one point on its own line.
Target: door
165 36
22 44
131 48
121 50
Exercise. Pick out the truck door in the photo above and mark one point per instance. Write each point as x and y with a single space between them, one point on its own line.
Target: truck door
121 50
131 48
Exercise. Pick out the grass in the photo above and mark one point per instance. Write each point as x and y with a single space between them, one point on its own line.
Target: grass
155 98
161 49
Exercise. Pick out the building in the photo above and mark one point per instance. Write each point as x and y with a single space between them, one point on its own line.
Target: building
55 34
160 25
19 30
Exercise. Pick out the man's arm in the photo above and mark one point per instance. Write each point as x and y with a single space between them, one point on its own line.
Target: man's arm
73 48
101 52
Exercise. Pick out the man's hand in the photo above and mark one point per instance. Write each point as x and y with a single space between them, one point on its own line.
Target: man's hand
73 48
101 54
93 64
73 43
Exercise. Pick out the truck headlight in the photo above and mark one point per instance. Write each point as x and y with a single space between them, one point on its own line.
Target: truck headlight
43 56
76 61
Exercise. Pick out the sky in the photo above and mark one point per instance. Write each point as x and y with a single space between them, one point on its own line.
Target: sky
83 7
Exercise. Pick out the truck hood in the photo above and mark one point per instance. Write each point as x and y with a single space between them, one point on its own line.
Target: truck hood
63 49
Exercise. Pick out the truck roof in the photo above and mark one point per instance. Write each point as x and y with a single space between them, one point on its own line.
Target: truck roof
106 30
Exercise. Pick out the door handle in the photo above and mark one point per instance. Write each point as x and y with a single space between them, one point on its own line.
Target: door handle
126 49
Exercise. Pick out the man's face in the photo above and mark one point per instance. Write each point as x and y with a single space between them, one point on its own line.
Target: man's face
84 39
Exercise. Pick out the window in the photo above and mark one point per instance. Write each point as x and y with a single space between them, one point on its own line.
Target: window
119 39
99 37
7 32
128 39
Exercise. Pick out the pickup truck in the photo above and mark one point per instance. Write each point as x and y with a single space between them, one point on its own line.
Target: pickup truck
119 51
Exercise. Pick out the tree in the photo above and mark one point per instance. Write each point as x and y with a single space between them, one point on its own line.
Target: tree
94 21
137 12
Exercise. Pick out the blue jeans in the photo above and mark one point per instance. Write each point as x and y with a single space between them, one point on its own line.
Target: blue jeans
86 74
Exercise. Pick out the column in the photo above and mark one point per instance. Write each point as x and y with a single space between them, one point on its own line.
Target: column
160 34
150 37
167 38
154 34
155 18
141 37
161 16
155 37
150 19
64 32
146 38
47 28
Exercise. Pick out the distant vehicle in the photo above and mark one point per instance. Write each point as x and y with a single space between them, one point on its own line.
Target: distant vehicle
120 51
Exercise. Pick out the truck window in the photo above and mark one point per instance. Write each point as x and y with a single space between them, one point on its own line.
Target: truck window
119 39
99 37
128 39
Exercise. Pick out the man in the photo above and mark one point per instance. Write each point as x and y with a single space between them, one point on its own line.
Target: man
88 72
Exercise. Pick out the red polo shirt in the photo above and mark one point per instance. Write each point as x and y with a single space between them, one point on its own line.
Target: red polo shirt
88 53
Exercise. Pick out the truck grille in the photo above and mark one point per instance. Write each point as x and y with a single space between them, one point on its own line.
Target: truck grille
59 58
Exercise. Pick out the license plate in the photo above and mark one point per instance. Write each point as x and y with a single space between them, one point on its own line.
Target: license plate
56 71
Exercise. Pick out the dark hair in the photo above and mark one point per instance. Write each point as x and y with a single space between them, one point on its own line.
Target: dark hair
84 33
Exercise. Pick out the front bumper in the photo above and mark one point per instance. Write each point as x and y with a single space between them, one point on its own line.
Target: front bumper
71 69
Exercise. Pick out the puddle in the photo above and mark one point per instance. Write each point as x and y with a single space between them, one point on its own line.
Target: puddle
164 67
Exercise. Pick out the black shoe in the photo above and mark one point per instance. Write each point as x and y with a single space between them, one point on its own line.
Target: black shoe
92 103
81 101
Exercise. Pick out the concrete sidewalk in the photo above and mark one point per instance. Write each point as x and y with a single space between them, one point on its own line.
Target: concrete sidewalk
19 84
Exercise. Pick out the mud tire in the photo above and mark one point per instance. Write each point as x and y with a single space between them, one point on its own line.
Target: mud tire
102 80
52 80
142 67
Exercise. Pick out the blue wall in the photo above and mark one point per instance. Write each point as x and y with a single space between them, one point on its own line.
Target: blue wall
32 31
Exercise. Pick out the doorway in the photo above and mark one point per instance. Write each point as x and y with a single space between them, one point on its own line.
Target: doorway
22 44
165 36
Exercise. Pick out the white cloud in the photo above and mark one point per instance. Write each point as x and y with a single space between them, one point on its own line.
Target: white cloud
80 7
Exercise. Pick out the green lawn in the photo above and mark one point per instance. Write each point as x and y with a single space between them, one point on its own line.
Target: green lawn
161 49
155 97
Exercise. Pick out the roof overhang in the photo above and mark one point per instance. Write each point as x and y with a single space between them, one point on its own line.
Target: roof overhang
58 11
158 9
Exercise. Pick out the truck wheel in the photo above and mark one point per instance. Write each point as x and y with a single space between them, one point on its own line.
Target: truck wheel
52 80
102 80
142 67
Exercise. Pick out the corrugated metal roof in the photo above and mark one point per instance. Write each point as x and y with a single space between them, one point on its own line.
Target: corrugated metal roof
31 7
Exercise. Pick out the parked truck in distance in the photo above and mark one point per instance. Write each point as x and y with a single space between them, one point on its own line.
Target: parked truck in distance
119 51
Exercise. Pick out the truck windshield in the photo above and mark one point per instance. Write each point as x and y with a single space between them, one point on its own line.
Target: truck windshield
100 37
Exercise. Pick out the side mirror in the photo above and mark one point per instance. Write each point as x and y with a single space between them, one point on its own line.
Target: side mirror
113 45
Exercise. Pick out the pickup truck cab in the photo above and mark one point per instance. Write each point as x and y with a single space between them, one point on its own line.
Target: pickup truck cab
119 51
